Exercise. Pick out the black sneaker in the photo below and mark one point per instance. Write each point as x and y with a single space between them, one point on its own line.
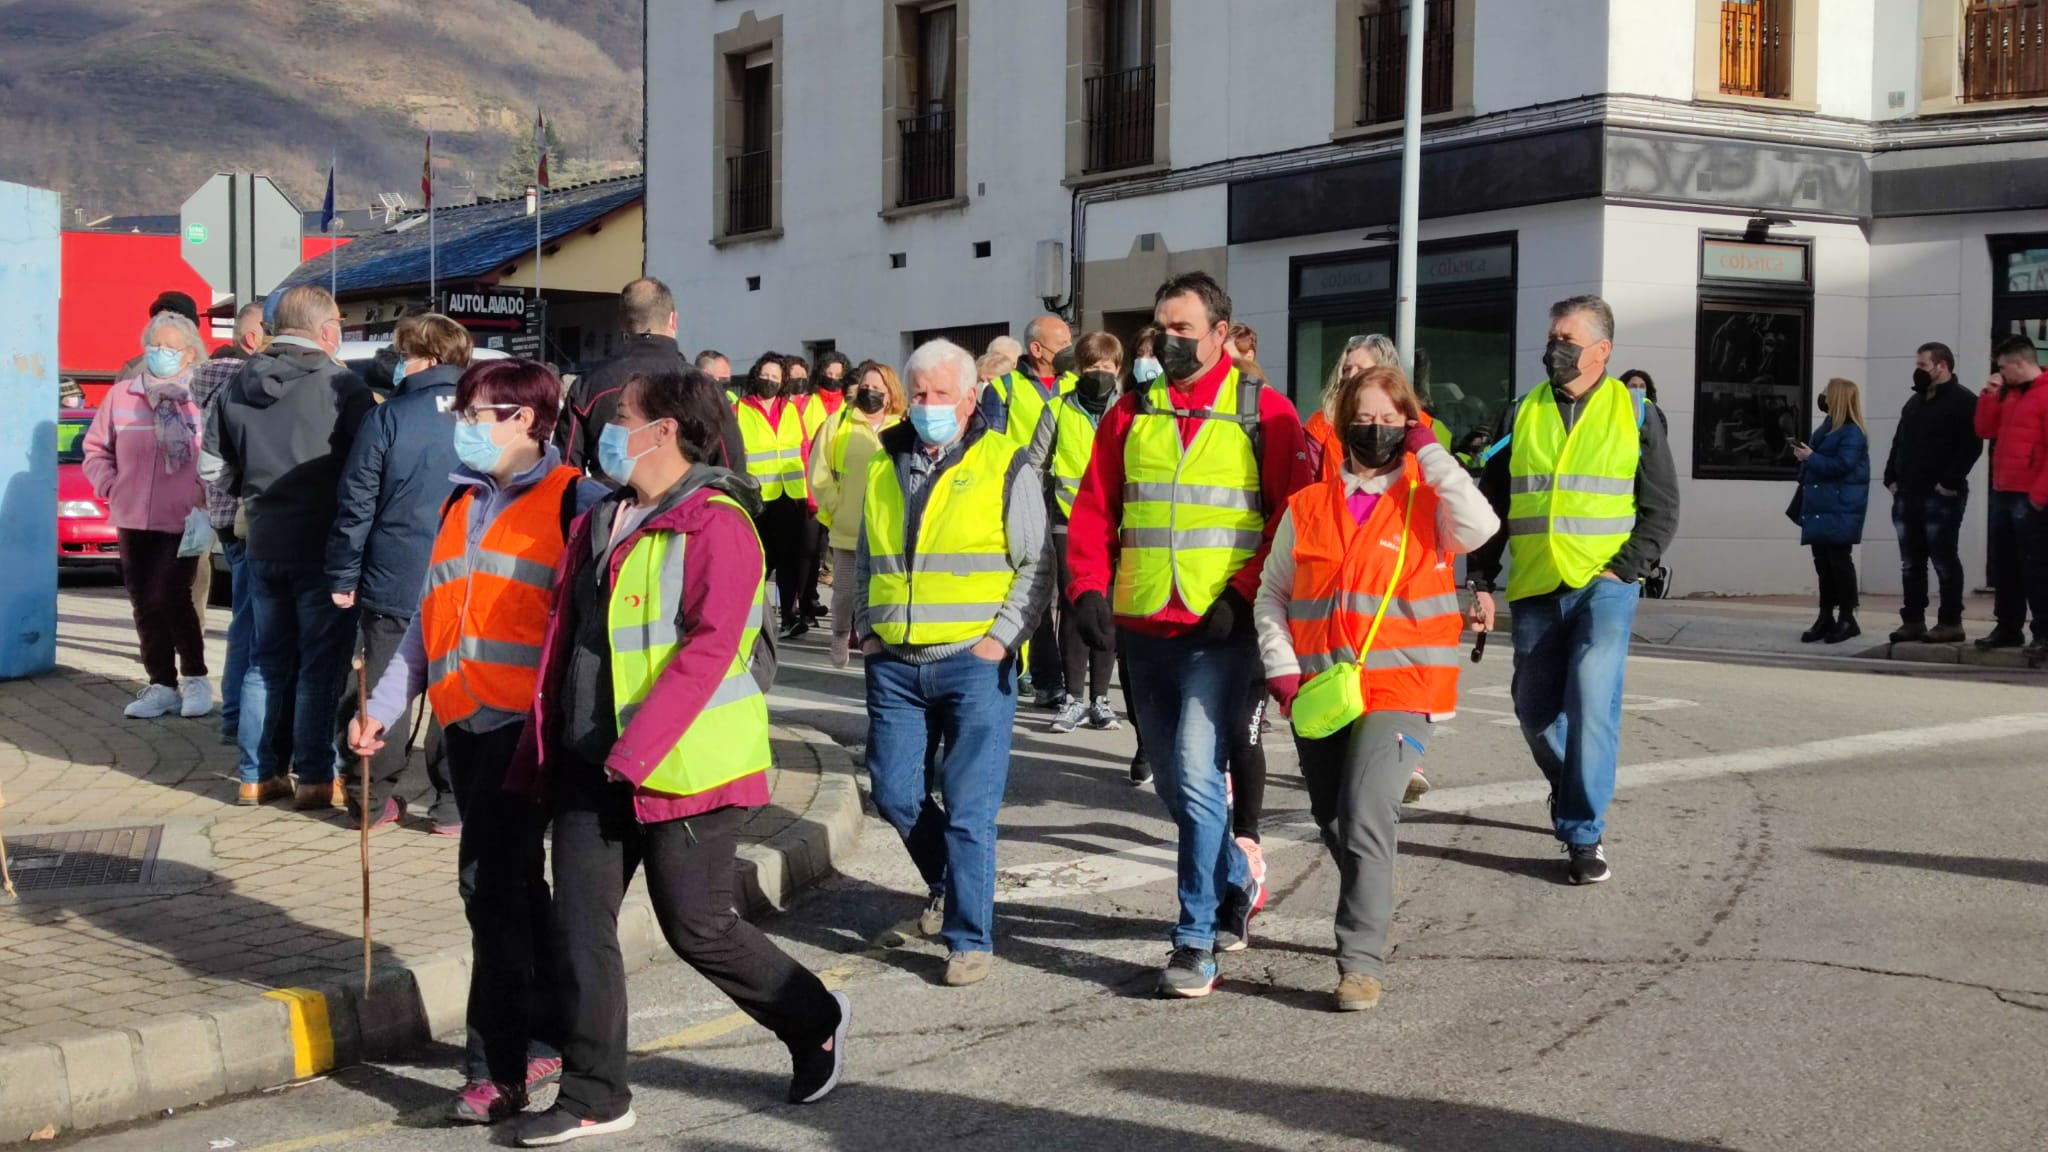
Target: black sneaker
557 1126
1911 632
1048 697
2001 638
1141 770
1587 863
795 629
1190 973
816 1070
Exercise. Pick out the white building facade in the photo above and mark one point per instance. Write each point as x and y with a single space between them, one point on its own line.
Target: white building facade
1770 193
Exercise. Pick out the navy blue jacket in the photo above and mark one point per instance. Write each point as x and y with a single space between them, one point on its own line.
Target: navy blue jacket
398 474
1835 483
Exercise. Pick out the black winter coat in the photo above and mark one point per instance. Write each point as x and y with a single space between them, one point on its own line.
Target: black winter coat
398 475
595 400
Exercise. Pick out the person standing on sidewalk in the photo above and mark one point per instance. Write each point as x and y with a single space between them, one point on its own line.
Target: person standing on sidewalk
222 511
1588 495
472 648
142 457
1834 498
839 480
2013 414
397 478
951 568
1358 631
649 732
1075 415
1927 472
1173 520
276 438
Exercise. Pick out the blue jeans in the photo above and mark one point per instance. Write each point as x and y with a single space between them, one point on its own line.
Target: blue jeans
970 703
241 626
1185 694
1571 652
298 658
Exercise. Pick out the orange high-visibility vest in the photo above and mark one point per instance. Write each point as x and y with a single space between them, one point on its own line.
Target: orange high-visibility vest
1342 569
485 611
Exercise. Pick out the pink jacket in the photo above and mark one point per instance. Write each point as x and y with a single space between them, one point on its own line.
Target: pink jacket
127 469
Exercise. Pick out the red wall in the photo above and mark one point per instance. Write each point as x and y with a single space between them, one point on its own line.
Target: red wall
110 278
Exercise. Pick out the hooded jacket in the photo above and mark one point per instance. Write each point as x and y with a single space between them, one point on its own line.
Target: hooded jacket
574 714
2015 420
595 400
397 477
276 438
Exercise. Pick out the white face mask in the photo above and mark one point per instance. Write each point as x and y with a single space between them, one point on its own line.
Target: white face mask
1145 370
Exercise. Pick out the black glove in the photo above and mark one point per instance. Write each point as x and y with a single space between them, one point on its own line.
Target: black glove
1093 621
1229 617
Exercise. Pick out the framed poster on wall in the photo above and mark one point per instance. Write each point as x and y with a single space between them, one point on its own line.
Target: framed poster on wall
1752 359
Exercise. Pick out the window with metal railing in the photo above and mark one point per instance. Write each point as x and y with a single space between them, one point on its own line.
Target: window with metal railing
926 154
2005 50
1383 60
1756 48
1119 108
749 199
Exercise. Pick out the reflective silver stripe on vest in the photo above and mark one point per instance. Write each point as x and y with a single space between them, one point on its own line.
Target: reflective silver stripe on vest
1318 663
641 637
441 669
949 563
499 652
1590 485
1572 525
763 457
1366 604
879 565
1071 489
451 571
1382 659
929 613
1206 495
731 690
1242 539
515 568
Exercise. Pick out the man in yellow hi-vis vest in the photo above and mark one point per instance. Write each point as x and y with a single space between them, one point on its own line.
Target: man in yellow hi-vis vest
951 569
1583 480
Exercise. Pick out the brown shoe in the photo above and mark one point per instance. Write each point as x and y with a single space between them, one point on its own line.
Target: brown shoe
1357 992
313 797
263 792
964 968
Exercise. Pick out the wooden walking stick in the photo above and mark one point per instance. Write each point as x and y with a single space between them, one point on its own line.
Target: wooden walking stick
6 881
363 802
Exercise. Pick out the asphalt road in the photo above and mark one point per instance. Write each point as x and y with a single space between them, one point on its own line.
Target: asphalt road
1826 930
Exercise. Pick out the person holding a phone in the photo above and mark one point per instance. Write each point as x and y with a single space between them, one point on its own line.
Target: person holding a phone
1834 494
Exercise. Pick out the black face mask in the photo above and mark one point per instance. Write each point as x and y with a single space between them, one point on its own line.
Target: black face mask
797 386
765 388
1096 386
1922 379
869 400
1180 357
1822 404
1374 445
831 383
1063 361
1561 361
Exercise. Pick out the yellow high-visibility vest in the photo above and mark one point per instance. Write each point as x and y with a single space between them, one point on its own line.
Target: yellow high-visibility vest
1191 518
775 452
945 586
1571 497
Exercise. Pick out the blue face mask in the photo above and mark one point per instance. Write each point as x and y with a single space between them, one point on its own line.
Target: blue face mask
164 363
935 423
1145 370
398 372
475 447
613 459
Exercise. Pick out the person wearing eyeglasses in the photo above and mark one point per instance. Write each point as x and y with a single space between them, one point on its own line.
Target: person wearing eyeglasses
472 647
276 439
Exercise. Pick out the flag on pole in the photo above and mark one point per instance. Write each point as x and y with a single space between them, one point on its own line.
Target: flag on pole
427 173
540 148
327 206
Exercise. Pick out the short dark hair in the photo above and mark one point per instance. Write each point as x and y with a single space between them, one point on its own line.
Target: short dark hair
835 357
690 398
174 302
1649 383
1215 301
1146 341
645 305
1093 346
2017 347
1594 306
791 363
527 383
708 357
767 358
1940 352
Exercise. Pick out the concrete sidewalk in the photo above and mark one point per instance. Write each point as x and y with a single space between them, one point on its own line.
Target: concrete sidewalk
1770 626
169 947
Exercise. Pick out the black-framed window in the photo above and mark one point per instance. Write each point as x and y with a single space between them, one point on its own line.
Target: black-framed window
2019 289
1752 357
1464 323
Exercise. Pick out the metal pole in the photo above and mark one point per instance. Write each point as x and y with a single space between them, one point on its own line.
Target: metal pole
333 250
540 310
433 249
1411 186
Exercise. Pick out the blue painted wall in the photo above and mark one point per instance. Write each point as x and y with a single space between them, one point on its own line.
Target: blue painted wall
29 264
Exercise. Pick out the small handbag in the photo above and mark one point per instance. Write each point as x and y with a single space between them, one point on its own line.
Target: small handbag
1798 504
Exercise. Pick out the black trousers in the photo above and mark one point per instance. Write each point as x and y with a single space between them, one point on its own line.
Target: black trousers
1928 529
821 547
501 873
159 587
1836 568
599 843
1248 763
2018 551
787 540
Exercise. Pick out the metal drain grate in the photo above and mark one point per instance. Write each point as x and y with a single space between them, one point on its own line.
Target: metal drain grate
84 859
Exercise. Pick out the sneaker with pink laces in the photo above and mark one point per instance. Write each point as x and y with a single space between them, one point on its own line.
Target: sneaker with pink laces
542 1071
486 1102
1255 856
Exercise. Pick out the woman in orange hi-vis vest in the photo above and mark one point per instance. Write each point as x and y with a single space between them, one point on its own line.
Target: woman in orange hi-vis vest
474 650
1358 624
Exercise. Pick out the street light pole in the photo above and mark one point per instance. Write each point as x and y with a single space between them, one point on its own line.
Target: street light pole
1411 186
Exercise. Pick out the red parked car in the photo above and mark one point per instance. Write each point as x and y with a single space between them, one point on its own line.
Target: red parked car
84 535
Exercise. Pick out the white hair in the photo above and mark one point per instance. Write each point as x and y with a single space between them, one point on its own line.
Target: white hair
179 323
937 355
1006 346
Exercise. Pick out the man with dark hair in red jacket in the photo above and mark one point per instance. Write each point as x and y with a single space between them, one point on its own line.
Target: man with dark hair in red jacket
2013 414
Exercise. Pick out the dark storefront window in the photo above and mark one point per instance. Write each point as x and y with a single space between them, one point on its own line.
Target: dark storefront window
1753 359
2019 290
1464 325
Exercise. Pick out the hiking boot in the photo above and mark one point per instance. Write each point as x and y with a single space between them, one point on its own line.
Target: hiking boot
965 968
557 1126
1945 634
1102 716
1844 629
1190 973
1357 992
263 792
2001 638
1072 712
1418 787
314 797
1911 632
932 920
815 1071
486 1102
1822 625
1586 863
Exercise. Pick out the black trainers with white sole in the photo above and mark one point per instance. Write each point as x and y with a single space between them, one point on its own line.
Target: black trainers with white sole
558 1126
1586 863
815 1071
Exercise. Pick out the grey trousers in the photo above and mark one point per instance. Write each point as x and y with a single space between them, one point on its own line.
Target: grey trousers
1355 781
842 591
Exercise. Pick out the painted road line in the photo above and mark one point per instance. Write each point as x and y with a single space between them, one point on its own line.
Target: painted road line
1472 797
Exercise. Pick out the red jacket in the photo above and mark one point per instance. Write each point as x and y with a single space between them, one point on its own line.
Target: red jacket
2016 421
1099 507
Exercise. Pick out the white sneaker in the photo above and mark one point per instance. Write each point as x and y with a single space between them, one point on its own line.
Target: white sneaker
197 695
154 701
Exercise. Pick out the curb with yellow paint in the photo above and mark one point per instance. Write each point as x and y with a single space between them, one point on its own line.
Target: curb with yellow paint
292 1034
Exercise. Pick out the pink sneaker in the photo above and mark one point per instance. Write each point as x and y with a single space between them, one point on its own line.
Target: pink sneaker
487 1102
542 1071
1255 856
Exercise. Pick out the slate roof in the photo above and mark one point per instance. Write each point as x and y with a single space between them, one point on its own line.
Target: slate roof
473 240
